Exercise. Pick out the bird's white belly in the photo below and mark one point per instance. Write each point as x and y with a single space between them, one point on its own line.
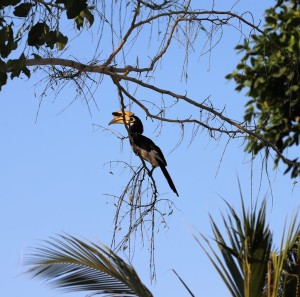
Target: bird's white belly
151 157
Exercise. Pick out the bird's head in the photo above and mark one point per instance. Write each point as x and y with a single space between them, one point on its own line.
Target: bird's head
122 117
127 117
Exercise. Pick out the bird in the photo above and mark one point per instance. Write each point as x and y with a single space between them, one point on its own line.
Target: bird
142 145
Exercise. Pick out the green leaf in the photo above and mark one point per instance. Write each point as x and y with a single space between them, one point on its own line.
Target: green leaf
79 20
51 39
3 75
271 20
4 3
280 72
268 73
61 41
37 34
36 56
22 10
75 8
7 41
85 14
3 79
88 15
17 66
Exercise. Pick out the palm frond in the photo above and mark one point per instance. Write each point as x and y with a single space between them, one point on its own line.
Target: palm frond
292 265
229 279
243 260
70 264
284 268
184 284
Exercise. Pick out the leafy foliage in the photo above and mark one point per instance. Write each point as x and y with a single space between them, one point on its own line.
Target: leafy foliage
270 71
40 34
292 267
247 265
73 265
36 29
73 7
5 3
284 269
22 10
16 67
245 257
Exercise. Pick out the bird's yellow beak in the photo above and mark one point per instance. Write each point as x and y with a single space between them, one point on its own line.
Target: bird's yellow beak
120 116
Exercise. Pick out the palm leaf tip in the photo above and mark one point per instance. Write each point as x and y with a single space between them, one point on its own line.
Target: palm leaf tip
70 264
242 259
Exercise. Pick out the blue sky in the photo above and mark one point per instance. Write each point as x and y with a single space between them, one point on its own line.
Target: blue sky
55 177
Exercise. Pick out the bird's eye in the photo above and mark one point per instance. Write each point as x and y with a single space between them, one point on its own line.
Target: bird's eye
131 119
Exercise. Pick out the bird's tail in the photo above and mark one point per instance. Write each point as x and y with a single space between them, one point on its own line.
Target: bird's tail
168 177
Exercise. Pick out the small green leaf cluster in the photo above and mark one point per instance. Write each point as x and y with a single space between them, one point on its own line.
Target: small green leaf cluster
9 43
77 10
40 34
40 27
270 72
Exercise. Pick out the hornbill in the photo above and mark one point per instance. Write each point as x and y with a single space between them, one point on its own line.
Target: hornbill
142 145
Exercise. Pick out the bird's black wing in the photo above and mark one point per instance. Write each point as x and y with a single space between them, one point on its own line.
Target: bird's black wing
149 151
147 145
